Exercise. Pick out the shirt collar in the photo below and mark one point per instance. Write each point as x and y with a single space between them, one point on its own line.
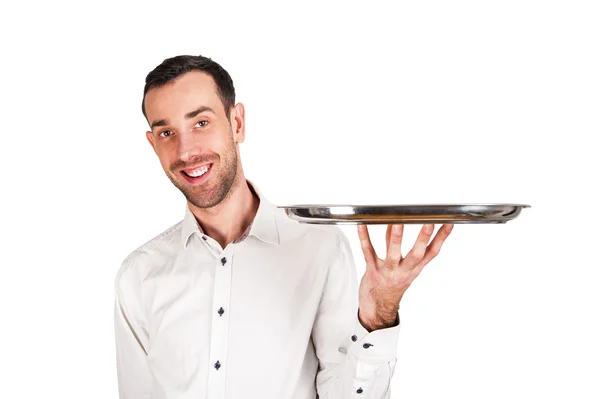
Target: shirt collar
263 227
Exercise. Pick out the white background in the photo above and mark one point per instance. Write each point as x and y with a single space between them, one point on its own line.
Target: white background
416 102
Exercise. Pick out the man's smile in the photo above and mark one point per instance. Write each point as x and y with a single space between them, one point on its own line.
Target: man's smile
197 174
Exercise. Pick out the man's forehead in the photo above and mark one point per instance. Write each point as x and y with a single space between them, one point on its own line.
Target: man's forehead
192 89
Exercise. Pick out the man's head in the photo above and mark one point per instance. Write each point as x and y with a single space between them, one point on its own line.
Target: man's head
195 126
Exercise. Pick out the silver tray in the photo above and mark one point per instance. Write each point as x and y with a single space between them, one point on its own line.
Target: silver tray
404 214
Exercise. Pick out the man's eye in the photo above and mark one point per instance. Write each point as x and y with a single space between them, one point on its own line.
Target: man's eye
165 133
201 123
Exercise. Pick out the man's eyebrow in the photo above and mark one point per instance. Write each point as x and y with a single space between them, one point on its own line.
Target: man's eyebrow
162 122
200 110
189 115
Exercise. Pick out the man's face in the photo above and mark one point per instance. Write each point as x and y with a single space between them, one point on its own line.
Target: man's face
194 138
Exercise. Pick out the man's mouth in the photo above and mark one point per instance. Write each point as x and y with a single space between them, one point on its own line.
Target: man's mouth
198 173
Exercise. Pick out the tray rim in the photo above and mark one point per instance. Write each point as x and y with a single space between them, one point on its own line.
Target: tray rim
499 204
346 218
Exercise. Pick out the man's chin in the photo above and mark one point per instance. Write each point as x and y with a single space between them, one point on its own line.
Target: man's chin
201 204
206 195
204 200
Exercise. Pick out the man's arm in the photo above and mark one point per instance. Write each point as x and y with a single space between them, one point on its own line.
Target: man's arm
353 363
132 367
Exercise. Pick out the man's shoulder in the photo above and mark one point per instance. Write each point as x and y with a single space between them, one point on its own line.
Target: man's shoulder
155 251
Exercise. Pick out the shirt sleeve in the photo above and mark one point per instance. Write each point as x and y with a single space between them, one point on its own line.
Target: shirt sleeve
133 374
353 363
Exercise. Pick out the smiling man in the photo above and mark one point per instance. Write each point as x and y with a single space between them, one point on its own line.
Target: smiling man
237 300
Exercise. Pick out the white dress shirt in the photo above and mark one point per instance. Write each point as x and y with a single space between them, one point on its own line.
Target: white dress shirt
274 314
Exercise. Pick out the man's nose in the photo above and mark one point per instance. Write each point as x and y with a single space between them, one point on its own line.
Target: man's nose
189 146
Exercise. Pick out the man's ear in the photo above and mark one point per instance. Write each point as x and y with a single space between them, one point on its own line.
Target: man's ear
238 123
150 138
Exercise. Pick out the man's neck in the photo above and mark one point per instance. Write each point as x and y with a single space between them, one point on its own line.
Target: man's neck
228 220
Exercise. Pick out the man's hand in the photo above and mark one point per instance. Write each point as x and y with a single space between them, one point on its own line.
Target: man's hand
386 281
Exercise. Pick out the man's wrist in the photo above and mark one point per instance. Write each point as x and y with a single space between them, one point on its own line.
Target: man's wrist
379 321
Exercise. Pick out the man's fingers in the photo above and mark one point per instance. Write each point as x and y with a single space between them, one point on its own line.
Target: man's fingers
416 254
367 247
394 250
436 245
388 233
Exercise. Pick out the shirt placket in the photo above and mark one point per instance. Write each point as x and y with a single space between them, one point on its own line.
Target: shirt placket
220 325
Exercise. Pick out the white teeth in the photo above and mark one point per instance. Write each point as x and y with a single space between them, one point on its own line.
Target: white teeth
198 172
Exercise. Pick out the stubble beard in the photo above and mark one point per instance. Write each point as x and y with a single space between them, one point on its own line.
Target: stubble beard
205 197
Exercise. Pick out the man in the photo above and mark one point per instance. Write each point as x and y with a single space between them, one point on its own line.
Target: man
237 300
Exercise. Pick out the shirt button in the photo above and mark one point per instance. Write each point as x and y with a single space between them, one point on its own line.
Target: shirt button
223 261
204 238
366 346
221 311
217 365
354 338
359 390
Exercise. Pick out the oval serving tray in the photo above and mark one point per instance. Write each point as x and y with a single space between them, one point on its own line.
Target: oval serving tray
404 214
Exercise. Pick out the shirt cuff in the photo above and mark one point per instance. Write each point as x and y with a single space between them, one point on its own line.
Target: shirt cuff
375 346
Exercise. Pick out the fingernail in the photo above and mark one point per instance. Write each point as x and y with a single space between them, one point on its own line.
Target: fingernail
449 228
428 228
